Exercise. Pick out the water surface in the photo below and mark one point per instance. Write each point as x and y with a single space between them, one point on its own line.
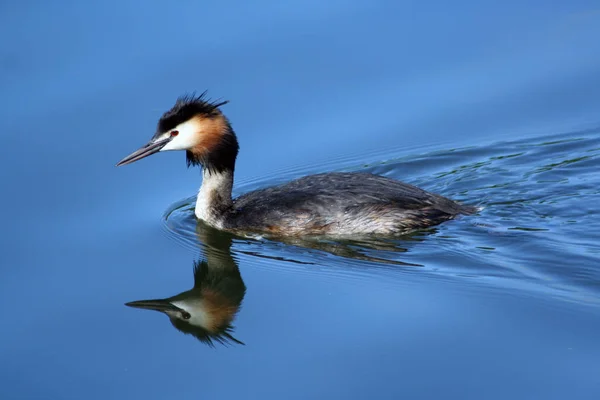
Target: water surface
490 104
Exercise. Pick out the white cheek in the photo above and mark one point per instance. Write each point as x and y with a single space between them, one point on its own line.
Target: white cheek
186 139
198 316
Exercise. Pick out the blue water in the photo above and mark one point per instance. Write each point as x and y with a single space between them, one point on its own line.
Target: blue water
490 103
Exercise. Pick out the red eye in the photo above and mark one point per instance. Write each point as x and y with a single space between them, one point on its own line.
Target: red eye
174 133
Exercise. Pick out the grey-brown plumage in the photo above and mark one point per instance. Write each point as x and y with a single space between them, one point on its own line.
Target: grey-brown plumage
341 204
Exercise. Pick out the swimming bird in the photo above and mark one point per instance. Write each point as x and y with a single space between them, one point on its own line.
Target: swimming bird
332 204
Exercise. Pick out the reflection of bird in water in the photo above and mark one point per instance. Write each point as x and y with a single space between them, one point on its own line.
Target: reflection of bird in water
208 309
330 204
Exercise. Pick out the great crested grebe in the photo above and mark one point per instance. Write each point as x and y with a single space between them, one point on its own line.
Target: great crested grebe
331 204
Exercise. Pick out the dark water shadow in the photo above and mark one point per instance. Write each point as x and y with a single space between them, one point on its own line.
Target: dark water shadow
354 249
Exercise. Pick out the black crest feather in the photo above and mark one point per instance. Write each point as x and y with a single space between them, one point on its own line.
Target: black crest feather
185 108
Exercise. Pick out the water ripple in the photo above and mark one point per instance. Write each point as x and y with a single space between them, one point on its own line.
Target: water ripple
537 231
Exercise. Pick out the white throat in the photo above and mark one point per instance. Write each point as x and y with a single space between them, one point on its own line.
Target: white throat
214 196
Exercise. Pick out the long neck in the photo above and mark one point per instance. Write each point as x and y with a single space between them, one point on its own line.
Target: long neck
218 164
214 197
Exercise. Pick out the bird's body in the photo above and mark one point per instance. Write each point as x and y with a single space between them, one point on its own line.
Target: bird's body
339 204
332 204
